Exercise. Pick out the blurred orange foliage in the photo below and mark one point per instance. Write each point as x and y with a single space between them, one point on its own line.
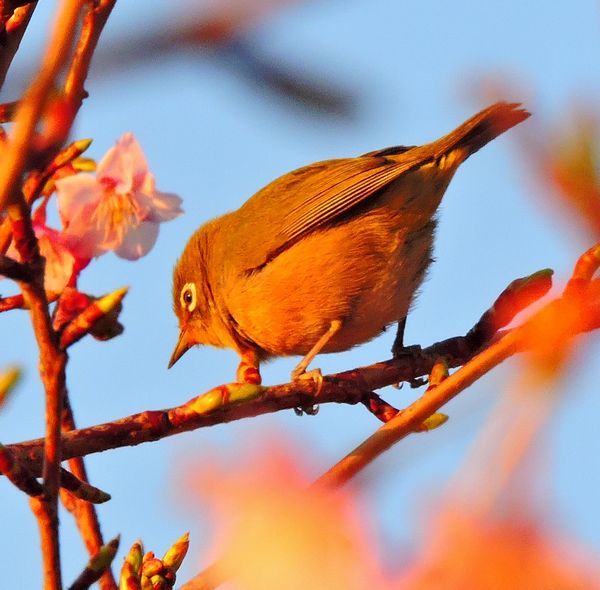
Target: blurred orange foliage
276 534
465 551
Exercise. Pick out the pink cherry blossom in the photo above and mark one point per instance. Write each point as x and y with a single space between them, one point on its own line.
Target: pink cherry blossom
117 209
61 263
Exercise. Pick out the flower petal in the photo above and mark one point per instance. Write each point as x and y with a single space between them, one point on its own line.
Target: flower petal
124 165
165 206
115 171
90 243
59 264
138 241
74 193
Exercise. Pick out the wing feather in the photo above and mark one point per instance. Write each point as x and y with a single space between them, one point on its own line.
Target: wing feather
348 189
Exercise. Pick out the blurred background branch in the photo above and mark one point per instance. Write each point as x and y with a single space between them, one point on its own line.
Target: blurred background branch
227 33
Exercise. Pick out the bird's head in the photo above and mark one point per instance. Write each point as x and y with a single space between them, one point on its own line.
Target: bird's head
191 299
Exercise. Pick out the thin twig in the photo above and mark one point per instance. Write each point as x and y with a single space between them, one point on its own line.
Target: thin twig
94 20
52 362
31 107
52 372
98 564
14 270
18 474
47 524
15 29
84 513
410 419
18 302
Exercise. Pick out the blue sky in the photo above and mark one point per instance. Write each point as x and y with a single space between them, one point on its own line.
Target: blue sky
214 138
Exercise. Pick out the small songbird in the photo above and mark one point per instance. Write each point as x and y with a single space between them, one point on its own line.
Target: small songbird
325 257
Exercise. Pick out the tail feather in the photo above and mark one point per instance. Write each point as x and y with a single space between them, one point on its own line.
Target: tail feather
480 129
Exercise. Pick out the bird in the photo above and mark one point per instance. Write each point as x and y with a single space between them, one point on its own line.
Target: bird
325 257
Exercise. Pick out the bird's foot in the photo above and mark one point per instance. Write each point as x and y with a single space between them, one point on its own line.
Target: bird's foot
314 375
408 351
412 350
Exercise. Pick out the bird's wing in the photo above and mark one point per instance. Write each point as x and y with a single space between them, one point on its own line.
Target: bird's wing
358 180
390 151
320 194
317 195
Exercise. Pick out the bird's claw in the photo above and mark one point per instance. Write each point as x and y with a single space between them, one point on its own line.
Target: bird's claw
308 410
314 375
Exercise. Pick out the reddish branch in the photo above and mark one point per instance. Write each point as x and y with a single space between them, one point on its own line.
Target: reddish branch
99 564
27 113
14 24
94 19
349 387
14 270
84 513
47 525
52 372
31 107
17 474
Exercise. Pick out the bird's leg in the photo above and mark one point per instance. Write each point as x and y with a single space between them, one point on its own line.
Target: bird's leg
248 370
300 371
301 367
398 350
398 346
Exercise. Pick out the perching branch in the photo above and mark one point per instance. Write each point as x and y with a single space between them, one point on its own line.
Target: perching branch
216 407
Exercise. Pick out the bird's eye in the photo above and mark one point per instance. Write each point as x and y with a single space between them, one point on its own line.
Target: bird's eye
188 297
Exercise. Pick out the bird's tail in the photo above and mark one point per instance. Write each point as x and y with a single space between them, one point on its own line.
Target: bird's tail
480 129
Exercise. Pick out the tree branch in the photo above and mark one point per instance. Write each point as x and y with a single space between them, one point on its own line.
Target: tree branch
14 270
84 512
348 387
15 27
94 20
29 112
17 474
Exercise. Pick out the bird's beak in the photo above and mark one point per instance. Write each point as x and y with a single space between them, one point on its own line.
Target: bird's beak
183 345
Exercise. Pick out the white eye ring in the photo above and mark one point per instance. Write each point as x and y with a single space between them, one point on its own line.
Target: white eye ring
188 297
